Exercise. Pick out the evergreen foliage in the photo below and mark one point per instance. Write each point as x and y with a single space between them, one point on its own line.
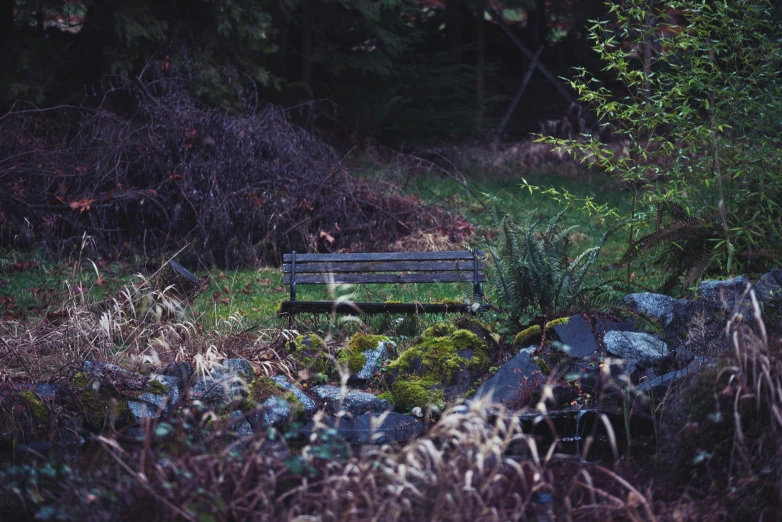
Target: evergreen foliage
532 273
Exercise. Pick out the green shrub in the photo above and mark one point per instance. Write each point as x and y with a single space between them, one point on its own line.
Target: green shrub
699 110
531 270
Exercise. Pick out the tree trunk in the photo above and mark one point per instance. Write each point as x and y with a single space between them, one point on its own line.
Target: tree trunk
281 23
6 19
539 26
454 18
306 43
480 65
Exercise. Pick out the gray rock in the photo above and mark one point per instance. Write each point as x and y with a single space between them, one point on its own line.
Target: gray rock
353 401
47 391
608 325
641 348
375 358
577 334
239 425
507 385
674 315
394 427
529 350
150 404
660 385
226 384
768 289
683 355
621 370
309 406
274 411
724 294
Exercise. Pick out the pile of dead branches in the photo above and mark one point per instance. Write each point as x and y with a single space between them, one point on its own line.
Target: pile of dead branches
238 189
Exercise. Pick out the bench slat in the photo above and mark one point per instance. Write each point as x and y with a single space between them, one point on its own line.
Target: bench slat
382 266
370 278
373 308
381 256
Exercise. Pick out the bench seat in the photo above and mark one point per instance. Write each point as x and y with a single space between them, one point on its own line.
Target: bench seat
381 268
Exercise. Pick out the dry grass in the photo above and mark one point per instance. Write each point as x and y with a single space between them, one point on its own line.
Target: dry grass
141 325
461 470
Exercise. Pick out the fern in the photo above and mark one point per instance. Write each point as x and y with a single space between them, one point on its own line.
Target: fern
686 247
532 273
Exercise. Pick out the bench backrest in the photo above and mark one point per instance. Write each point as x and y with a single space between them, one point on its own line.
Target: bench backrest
384 267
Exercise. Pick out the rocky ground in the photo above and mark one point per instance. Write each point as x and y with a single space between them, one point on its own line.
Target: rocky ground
368 392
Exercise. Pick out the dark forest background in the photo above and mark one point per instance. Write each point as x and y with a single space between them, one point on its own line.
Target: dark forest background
406 72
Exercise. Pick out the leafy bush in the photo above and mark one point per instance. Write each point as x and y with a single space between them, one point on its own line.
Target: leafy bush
699 112
532 272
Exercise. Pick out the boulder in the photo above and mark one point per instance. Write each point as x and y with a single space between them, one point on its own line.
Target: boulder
608 325
48 391
577 334
674 315
768 289
309 407
226 384
388 428
374 359
162 391
660 385
726 293
442 365
514 382
353 401
641 348
364 354
238 425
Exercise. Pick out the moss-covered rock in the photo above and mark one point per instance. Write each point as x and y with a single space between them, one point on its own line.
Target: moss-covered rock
37 408
310 353
157 387
24 417
354 355
442 364
99 404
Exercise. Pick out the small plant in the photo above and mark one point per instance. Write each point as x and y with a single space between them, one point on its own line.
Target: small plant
532 273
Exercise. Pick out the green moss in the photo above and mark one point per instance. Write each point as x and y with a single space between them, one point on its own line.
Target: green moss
157 387
557 322
527 334
416 391
352 359
38 410
262 388
297 408
544 367
472 323
309 351
98 402
386 396
437 353
307 342
439 330
449 301
362 342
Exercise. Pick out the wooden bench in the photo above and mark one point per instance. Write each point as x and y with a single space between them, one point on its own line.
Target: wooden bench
381 268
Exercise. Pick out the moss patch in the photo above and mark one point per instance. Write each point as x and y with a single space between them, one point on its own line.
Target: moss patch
157 387
98 402
527 334
309 352
425 369
37 408
352 355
